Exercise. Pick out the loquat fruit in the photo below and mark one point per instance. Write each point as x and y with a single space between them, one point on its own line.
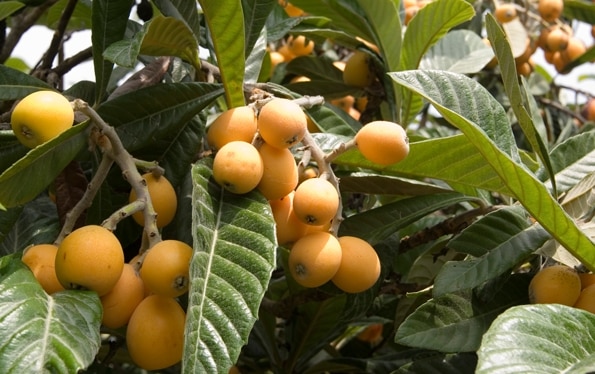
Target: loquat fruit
314 259
282 123
166 268
556 284
316 201
280 175
121 301
238 167
358 70
300 45
360 265
288 227
238 123
505 12
41 259
163 197
383 142
550 10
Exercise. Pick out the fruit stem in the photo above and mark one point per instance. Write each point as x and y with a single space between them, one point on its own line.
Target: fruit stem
87 198
115 150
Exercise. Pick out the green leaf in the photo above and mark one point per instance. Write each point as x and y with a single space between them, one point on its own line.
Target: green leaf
572 160
161 36
580 11
256 13
464 103
456 322
345 15
234 244
460 275
225 21
512 87
9 7
458 162
388 39
15 84
30 175
110 18
377 224
156 123
43 333
368 183
430 24
183 10
459 51
490 231
544 338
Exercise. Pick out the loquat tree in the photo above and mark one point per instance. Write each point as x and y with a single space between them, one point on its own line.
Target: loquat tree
304 186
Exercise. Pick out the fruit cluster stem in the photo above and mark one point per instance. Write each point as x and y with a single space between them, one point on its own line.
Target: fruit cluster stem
112 148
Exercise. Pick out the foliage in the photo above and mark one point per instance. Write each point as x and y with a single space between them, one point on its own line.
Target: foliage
499 181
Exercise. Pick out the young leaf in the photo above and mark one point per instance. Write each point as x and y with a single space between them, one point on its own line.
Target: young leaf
161 36
183 10
544 338
459 51
110 18
43 333
468 106
234 244
226 26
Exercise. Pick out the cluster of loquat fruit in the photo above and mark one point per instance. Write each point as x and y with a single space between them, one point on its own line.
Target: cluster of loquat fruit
545 30
140 295
561 284
253 151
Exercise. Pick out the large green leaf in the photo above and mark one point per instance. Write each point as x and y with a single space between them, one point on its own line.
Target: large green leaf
514 93
110 18
234 255
457 162
15 84
161 36
377 224
30 175
460 275
456 322
545 338
181 9
256 13
465 104
459 51
430 24
225 21
156 123
43 333
580 11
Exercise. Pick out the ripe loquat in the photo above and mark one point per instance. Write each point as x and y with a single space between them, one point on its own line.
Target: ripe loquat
314 259
238 167
505 12
166 268
280 175
91 258
282 123
164 199
41 259
300 45
586 300
237 123
360 265
316 201
556 284
550 10
119 304
288 227
155 333
358 70
41 116
383 142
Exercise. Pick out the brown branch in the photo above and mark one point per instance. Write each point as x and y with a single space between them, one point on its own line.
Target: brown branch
20 24
69 63
58 38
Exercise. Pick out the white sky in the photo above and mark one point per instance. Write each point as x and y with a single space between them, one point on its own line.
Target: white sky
31 48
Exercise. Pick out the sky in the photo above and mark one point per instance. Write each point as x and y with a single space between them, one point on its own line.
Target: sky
28 50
